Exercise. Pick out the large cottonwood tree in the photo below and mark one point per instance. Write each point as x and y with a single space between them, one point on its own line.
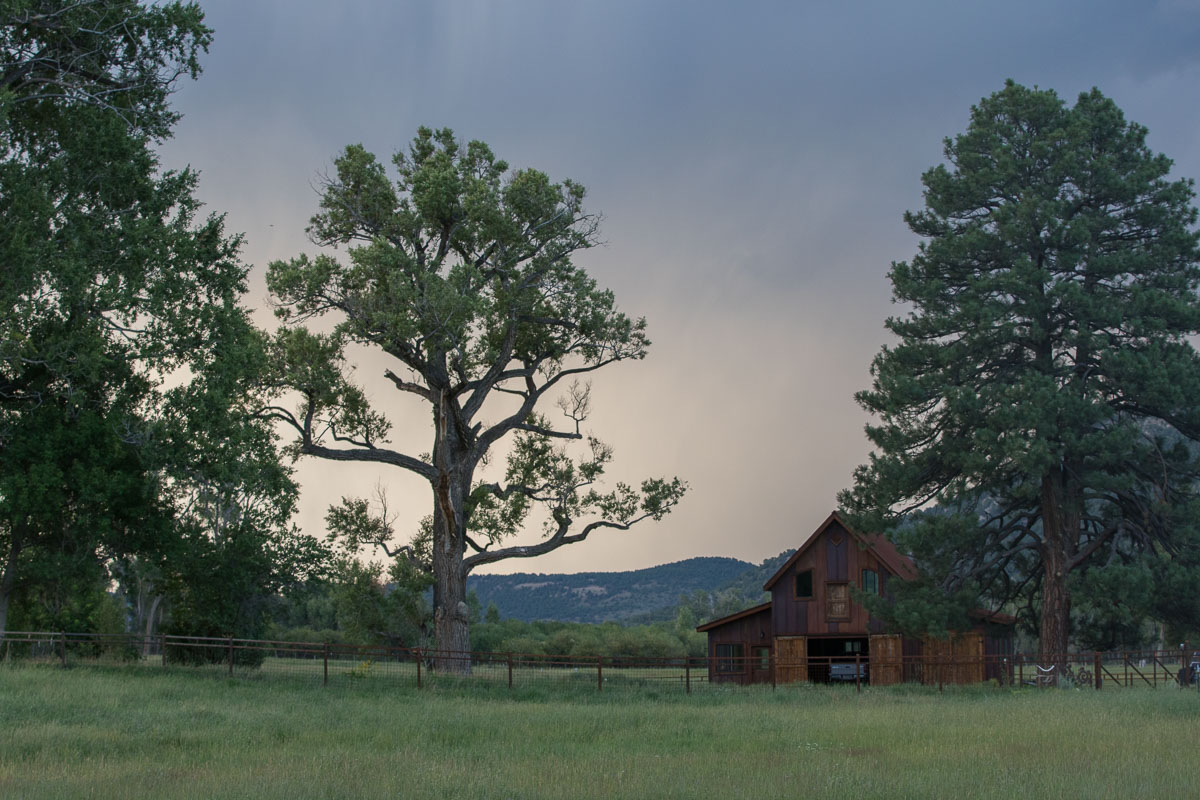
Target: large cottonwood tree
1042 396
460 272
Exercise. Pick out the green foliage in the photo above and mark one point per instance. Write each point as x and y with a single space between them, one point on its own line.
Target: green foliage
1041 396
1112 604
114 288
581 640
372 612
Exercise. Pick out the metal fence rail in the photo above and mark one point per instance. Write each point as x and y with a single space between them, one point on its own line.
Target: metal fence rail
343 664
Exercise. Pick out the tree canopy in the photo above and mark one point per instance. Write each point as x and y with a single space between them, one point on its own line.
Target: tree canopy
1037 415
459 271
124 351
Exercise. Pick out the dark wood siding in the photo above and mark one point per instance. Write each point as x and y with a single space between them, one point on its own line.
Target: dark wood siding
836 544
751 631
835 557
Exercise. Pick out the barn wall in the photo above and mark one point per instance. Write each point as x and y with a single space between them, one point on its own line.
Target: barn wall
834 557
751 631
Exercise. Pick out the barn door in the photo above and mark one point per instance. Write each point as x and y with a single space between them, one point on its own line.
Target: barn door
968 657
791 659
886 660
958 659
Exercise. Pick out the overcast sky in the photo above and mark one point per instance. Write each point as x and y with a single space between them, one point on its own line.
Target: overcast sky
752 162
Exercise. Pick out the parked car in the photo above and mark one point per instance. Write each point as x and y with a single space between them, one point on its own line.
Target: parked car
845 672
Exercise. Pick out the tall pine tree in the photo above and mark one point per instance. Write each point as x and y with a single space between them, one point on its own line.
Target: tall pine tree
1035 418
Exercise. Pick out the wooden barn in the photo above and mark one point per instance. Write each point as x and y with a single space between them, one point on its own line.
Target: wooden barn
813 630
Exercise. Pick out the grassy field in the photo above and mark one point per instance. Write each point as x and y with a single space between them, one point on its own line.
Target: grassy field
111 732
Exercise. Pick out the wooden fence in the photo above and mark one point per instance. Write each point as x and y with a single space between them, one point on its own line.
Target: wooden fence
422 667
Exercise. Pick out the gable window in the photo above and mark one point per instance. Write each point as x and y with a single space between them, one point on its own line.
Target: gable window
837 602
731 658
804 585
870 581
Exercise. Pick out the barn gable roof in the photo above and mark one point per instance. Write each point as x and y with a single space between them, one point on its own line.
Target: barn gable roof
748 612
884 550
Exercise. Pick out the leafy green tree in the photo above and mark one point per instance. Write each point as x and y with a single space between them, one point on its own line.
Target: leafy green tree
1042 394
372 610
460 272
112 290
234 546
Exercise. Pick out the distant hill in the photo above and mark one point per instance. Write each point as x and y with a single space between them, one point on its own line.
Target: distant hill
603 596
743 590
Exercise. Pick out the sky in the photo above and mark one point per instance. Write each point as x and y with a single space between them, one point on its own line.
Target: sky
752 162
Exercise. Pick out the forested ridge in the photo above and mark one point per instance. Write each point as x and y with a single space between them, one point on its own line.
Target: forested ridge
603 596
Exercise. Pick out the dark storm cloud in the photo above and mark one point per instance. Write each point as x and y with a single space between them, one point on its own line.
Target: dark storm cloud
752 161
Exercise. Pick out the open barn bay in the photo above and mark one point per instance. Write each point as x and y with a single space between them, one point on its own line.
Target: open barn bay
115 733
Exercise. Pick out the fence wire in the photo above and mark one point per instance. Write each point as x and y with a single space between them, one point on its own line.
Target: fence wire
343 664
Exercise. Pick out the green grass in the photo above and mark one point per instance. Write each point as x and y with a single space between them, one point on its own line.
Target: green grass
113 732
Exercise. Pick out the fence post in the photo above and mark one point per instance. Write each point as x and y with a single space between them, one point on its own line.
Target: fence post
940 670
325 665
418 652
1020 670
231 656
1183 671
162 648
1097 664
510 670
687 674
599 673
64 647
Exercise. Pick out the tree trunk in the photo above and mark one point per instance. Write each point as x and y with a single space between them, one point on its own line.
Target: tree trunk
8 580
3 612
450 613
1060 529
150 626
450 618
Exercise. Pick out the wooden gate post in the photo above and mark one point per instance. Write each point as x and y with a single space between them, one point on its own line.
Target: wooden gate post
231 656
1097 663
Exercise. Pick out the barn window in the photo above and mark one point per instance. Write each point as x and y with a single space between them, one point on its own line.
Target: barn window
762 658
804 585
837 601
731 658
870 582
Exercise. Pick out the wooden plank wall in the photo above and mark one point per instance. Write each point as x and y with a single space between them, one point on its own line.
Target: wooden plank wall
835 557
958 659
